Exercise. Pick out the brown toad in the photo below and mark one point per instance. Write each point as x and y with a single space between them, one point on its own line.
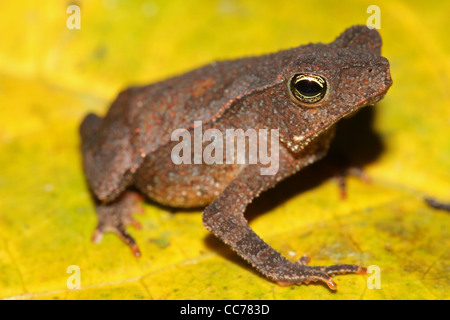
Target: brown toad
301 92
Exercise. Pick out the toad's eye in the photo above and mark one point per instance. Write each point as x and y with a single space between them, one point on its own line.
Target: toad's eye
307 88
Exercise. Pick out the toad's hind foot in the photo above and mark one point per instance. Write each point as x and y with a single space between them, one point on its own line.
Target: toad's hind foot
116 215
307 274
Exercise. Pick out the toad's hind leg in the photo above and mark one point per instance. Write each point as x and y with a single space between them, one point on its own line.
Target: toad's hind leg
114 205
116 215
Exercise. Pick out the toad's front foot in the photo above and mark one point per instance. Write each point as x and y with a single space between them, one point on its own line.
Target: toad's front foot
116 215
342 175
300 272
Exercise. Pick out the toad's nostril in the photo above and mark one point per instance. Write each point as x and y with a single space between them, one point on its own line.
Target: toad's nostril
388 77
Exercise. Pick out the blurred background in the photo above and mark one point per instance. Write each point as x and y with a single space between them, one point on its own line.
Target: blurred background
52 75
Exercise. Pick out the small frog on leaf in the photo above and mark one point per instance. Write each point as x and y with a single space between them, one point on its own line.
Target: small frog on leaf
302 92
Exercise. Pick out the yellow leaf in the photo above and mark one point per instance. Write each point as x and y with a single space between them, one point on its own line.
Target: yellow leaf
51 76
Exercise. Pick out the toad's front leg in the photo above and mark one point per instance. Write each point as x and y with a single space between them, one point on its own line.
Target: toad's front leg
225 219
